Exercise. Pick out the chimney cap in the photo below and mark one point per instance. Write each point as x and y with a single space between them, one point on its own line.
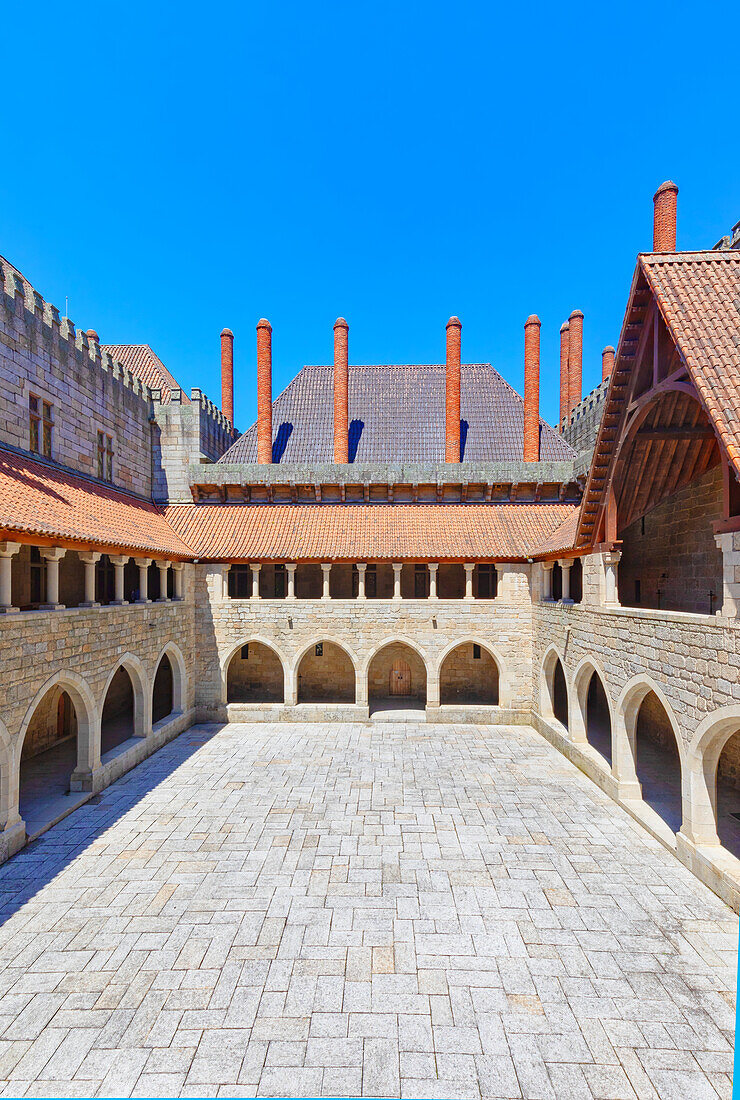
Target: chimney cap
565 326
264 323
454 322
576 313
533 319
92 335
608 350
340 323
669 185
227 332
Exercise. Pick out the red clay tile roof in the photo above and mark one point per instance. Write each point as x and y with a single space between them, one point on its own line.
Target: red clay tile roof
142 361
563 538
366 532
698 294
40 499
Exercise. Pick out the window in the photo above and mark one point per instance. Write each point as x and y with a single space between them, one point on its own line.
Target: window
371 581
105 581
421 582
40 425
105 457
320 649
245 652
238 581
38 576
487 582
476 652
280 582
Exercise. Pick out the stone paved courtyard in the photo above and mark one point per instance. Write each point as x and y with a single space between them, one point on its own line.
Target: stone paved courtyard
345 910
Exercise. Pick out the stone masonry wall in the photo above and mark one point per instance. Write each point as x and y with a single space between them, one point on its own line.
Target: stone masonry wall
46 357
677 552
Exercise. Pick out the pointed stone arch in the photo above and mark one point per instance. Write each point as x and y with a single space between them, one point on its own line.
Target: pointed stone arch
328 677
554 692
662 791
267 680
701 809
179 676
587 706
486 680
412 662
121 717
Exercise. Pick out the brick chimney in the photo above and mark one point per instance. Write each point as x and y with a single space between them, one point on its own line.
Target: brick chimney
452 391
341 390
227 373
664 217
607 362
575 358
532 389
264 391
564 377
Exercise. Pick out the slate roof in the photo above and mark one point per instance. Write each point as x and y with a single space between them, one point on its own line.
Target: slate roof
146 365
366 532
397 414
41 499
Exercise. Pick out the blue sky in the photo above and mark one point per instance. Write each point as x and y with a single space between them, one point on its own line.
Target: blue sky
176 168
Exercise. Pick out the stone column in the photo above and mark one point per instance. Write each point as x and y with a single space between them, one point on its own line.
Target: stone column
565 566
7 552
118 561
397 567
290 570
90 559
143 564
163 567
611 561
547 580
361 570
433 567
255 580
501 572
326 583
178 568
469 567
52 555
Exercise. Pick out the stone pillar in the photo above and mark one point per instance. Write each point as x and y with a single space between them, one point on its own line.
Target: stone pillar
565 567
178 568
729 544
500 573
90 559
433 567
255 580
468 567
290 570
53 555
397 567
143 564
118 561
163 567
7 551
361 570
611 592
326 582
547 580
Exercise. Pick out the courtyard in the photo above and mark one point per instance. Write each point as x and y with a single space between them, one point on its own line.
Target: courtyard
379 909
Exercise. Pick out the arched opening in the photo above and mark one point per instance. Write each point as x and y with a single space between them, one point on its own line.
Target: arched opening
598 721
326 675
48 758
657 761
255 675
469 675
163 692
559 694
397 678
727 799
118 722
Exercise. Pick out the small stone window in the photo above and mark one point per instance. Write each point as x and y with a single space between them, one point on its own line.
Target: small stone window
280 589
38 578
421 582
245 653
238 582
487 581
319 649
105 456
40 425
476 652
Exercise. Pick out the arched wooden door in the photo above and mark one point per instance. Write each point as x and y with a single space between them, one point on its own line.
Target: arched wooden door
400 678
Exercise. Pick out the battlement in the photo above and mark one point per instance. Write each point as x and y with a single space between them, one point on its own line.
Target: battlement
38 320
212 410
582 426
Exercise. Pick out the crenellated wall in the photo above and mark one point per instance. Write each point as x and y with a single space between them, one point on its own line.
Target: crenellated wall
183 434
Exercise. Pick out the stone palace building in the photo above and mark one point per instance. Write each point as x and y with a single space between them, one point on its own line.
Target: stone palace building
384 539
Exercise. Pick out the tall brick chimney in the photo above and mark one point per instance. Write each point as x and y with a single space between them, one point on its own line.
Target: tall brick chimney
607 362
341 390
227 373
452 391
665 201
575 359
264 391
564 377
532 389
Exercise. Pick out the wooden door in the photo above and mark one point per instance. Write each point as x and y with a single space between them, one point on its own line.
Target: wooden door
400 678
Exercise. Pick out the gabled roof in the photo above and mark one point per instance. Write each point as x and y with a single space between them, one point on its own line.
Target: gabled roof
38 498
146 365
397 414
366 532
698 296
